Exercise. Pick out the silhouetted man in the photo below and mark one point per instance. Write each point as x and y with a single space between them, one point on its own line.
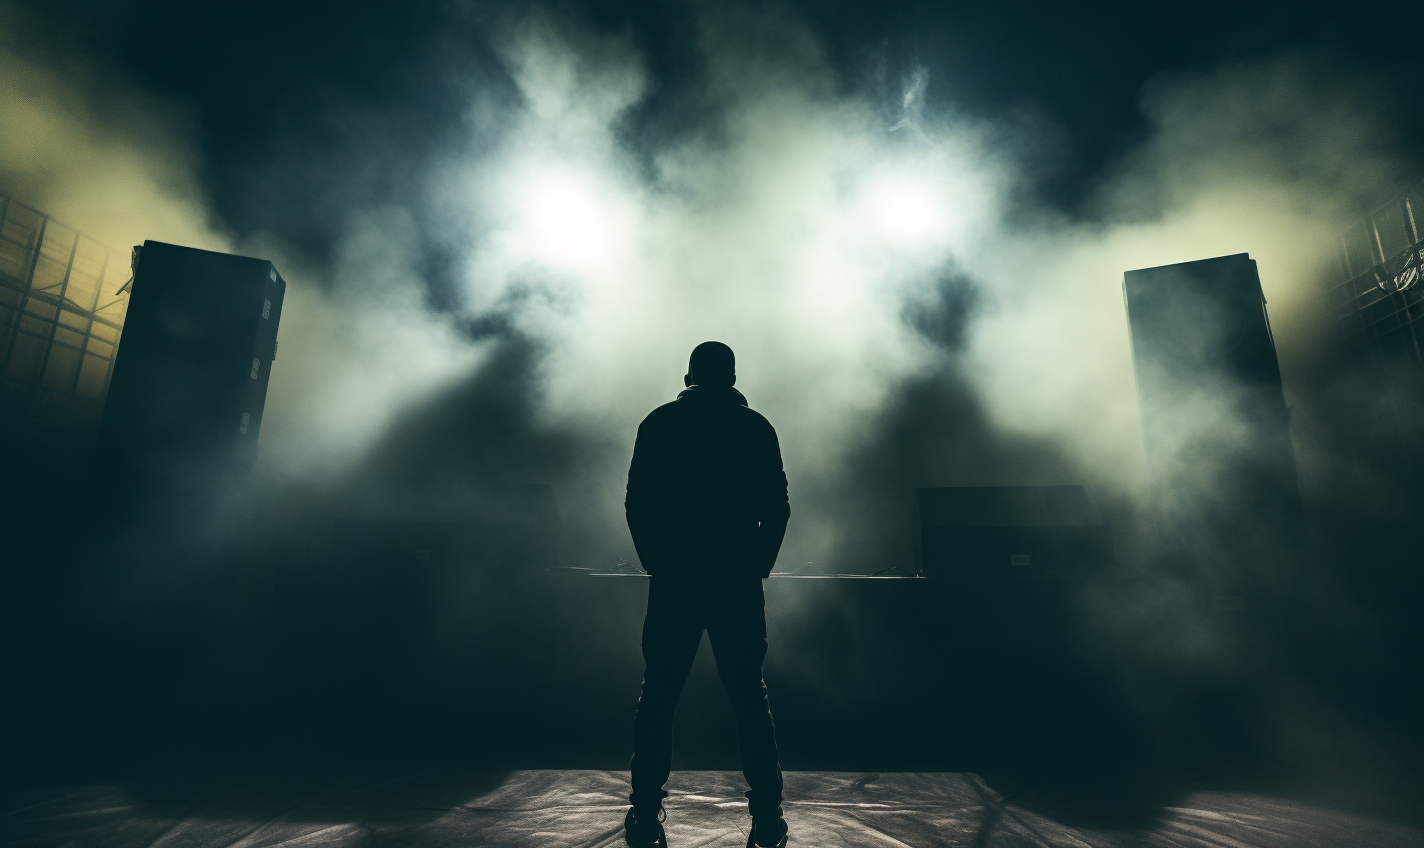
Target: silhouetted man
707 507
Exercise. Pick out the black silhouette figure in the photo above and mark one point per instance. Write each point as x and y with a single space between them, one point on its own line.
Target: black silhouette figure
707 507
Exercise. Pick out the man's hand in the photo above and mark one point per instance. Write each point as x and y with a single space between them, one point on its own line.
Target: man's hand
769 537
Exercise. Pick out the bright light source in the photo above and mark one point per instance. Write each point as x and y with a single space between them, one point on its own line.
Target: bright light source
907 211
563 218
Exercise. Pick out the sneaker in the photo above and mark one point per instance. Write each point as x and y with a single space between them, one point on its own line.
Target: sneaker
640 832
768 834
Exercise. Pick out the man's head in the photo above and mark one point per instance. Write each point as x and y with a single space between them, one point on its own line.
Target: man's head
712 365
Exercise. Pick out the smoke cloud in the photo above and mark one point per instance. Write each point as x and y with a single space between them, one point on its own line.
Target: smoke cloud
93 153
851 251
901 309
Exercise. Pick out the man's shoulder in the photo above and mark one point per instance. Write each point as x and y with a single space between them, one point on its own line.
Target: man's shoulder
755 418
667 410
686 408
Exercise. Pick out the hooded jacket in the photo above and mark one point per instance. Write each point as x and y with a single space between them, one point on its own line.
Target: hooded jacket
707 495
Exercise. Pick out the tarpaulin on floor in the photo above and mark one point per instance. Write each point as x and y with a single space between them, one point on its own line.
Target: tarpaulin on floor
584 809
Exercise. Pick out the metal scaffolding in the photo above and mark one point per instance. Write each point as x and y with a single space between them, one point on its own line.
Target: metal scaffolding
1379 308
61 314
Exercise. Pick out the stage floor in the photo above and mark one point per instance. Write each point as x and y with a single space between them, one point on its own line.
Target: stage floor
584 809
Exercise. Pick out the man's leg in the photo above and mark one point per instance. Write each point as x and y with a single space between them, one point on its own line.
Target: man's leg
672 630
737 630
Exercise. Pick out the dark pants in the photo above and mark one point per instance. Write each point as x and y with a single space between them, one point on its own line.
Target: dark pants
734 617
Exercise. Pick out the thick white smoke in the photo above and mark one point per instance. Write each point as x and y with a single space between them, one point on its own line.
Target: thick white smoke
794 224
789 218
353 356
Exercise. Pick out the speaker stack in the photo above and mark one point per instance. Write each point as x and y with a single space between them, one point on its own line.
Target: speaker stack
184 407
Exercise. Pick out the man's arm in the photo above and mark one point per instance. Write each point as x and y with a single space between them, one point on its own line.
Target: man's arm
776 509
641 504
